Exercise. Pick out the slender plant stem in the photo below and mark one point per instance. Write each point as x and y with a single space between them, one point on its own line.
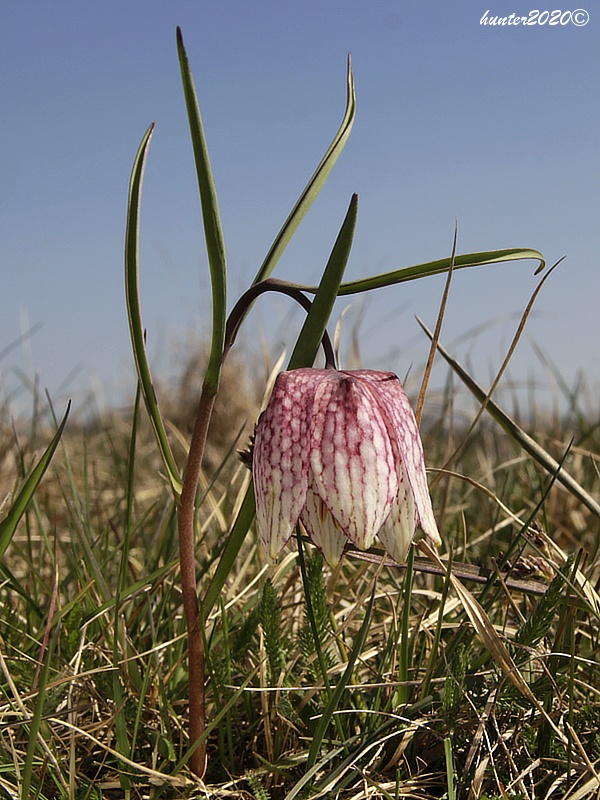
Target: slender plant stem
191 605
239 311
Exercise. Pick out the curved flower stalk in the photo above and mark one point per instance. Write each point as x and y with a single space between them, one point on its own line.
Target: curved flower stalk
340 451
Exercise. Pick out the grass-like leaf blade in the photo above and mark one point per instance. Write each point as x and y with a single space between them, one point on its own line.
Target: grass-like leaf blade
438 267
35 735
484 627
134 313
310 336
9 524
334 702
232 548
213 232
315 184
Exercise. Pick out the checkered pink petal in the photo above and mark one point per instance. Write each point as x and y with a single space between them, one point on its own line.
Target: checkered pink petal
280 460
351 458
391 397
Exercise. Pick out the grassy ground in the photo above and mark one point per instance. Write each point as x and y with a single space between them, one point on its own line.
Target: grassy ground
382 685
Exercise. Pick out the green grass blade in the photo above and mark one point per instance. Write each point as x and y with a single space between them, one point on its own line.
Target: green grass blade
298 789
437 268
404 658
140 587
216 720
213 232
451 793
34 724
334 702
316 321
434 655
232 548
518 434
134 313
314 185
120 634
9 524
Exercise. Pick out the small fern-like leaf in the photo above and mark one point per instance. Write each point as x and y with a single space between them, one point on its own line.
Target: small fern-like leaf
455 680
318 597
256 786
538 623
270 621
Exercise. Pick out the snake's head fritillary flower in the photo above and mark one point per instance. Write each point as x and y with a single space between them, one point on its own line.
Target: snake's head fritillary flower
340 451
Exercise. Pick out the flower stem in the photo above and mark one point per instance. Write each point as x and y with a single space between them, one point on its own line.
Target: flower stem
191 605
242 306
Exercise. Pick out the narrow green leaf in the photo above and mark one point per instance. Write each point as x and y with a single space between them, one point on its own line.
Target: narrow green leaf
404 661
517 433
434 650
134 313
436 268
224 710
35 735
334 702
451 790
9 524
298 789
120 636
232 548
342 773
314 185
140 587
484 627
213 232
317 318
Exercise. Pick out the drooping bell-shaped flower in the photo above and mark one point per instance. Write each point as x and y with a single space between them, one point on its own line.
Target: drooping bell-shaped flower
340 451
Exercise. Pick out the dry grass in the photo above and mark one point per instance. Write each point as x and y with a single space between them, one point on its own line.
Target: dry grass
92 638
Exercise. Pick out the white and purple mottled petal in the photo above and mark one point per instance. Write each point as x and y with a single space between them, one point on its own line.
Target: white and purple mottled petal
322 528
351 458
398 531
280 461
396 408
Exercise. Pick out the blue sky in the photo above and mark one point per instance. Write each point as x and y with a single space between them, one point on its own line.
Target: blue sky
496 127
